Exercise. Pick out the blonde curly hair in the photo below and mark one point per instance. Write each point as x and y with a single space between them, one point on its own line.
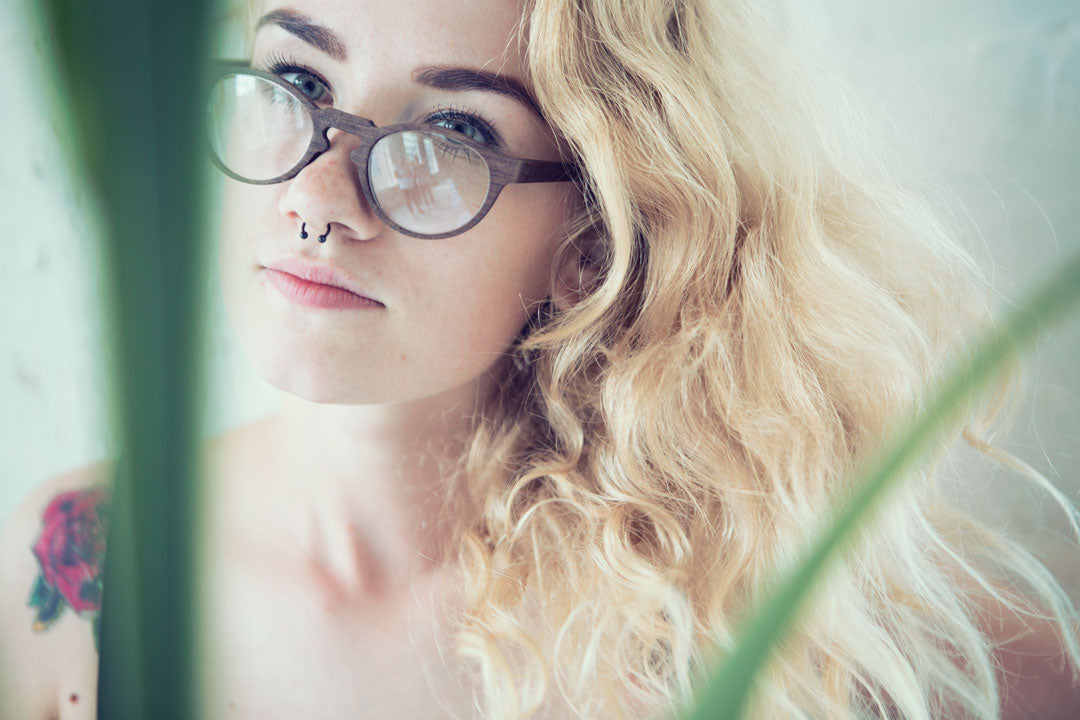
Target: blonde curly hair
762 294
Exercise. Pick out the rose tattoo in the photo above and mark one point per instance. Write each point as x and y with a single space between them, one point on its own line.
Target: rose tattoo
70 551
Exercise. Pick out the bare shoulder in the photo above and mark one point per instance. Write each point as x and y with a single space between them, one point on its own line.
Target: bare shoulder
51 550
241 440
239 456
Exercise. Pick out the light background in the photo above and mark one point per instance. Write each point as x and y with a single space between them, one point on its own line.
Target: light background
986 93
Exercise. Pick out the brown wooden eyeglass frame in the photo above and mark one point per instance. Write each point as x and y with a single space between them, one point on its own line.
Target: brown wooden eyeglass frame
502 169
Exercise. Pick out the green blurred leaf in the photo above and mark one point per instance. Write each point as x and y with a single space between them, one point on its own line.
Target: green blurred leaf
730 688
131 74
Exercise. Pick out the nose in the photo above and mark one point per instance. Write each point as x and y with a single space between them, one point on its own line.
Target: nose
327 192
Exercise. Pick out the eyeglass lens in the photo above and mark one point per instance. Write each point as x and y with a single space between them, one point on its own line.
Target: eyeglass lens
424 181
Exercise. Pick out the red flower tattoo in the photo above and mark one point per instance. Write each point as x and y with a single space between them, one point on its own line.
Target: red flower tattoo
70 551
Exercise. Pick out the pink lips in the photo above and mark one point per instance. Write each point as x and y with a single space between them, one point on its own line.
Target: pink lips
318 286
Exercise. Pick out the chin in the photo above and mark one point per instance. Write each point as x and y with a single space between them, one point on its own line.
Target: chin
319 365
321 382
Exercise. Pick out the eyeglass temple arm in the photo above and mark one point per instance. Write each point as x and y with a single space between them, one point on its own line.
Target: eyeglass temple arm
543 171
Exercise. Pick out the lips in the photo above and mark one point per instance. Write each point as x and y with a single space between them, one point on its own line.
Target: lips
316 285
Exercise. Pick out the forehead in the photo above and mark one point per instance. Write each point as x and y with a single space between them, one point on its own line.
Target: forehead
481 33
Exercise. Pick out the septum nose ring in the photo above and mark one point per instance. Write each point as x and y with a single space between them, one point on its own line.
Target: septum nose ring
322 238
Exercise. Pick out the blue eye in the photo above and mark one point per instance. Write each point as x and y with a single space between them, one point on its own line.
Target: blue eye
306 80
308 84
471 126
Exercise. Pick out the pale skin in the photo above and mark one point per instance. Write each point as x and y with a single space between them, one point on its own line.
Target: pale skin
324 599
346 480
369 393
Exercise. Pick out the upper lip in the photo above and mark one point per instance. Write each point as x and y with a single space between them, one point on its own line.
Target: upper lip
321 274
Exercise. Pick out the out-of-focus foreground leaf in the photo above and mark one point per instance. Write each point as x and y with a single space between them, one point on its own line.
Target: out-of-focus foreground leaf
130 73
731 686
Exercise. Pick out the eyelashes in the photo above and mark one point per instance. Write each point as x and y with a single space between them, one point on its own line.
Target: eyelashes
464 115
281 65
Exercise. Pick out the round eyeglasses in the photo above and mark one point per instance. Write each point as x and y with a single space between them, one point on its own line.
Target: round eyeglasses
419 180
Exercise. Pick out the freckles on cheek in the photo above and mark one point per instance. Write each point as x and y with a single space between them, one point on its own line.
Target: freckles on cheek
473 293
465 336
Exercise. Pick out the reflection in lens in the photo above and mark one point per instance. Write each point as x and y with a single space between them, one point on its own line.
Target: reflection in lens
258 130
427 182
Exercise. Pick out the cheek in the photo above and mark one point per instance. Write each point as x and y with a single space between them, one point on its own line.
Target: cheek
236 240
454 306
252 322
479 289
473 311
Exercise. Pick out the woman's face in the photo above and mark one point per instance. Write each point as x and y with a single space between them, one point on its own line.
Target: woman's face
449 308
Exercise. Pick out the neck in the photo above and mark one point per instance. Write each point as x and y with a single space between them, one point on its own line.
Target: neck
364 491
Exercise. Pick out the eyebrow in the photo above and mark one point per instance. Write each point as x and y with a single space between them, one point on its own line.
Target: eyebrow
440 77
462 79
310 32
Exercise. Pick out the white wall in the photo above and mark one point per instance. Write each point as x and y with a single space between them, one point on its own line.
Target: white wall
53 361
988 91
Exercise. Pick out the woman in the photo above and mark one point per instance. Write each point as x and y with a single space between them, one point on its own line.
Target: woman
537 456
